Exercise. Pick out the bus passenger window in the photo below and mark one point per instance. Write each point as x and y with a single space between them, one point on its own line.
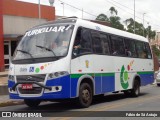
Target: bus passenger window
104 44
85 41
144 54
128 52
82 42
130 48
148 51
117 46
77 45
96 42
140 46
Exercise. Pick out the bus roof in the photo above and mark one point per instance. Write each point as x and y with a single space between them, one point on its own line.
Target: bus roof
95 26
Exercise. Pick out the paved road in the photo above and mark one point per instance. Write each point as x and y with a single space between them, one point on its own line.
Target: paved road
149 100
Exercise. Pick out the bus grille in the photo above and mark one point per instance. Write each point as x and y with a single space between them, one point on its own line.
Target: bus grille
35 90
36 78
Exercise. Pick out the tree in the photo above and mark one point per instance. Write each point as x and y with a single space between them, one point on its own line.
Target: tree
102 17
115 20
115 23
151 34
130 26
113 10
139 28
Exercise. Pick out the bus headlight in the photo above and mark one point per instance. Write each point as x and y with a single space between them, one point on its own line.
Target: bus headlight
57 74
11 77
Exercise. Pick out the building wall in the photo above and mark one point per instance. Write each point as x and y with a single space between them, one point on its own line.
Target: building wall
11 23
1 38
16 17
18 8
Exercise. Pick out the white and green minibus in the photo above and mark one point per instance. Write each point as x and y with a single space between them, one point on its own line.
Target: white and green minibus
71 58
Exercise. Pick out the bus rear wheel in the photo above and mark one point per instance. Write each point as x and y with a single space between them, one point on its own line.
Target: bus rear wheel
136 89
85 95
32 103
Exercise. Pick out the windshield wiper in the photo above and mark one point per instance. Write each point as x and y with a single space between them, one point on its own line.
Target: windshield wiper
26 53
42 47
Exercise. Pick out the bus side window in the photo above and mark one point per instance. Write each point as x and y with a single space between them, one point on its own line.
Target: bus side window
96 42
104 44
130 48
117 46
148 51
140 46
82 43
86 41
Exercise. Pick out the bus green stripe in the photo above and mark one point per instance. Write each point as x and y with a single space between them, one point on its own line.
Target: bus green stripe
108 74
76 75
93 74
148 72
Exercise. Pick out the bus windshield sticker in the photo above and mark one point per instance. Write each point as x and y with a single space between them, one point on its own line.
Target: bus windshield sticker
48 29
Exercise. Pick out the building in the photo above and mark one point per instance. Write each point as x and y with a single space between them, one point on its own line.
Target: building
15 18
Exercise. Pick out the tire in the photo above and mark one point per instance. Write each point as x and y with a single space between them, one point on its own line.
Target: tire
85 95
32 103
135 92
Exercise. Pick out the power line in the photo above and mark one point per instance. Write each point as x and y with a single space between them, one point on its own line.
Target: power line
78 8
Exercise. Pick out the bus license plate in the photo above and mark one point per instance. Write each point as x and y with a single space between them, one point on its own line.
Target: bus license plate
27 86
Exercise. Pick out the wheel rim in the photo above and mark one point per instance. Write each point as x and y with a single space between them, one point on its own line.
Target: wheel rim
137 89
86 96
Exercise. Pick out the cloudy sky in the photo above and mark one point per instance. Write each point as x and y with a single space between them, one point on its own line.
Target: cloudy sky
125 8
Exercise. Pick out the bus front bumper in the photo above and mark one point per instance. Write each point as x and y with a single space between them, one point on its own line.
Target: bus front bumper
58 88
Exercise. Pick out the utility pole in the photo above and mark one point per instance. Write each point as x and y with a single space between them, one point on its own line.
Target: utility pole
134 17
143 23
148 32
39 11
82 13
63 7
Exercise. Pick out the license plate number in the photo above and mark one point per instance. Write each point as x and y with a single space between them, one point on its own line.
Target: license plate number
27 86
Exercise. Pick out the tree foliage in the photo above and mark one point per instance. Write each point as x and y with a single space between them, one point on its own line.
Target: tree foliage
139 28
115 21
113 11
102 17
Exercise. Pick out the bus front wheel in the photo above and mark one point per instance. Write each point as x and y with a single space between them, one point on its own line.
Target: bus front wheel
32 103
85 95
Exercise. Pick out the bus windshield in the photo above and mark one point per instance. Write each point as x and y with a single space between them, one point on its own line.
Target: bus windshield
44 42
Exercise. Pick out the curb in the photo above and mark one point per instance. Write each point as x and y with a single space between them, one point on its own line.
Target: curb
11 103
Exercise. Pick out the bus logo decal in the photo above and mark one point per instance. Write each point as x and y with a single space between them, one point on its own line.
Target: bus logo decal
98 28
31 69
124 77
87 63
29 77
